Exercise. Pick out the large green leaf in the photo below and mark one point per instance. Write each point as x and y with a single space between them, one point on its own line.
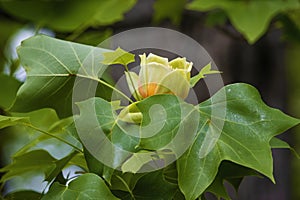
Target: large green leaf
251 18
68 15
87 186
52 66
166 120
244 139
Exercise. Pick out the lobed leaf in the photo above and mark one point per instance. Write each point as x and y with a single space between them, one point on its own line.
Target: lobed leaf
52 66
241 132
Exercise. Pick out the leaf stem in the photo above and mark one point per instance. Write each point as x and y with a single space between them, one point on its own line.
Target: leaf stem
54 136
106 84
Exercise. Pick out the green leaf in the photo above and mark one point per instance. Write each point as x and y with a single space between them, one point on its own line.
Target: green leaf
68 15
60 165
150 186
119 56
87 186
251 18
154 186
12 121
79 160
204 71
48 132
232 173
246 126
23 195
163 129
8 89
277 143
125 181
163 9
34 161
96 167
52 66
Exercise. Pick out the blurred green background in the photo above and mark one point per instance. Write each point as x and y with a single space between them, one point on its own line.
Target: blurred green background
252 41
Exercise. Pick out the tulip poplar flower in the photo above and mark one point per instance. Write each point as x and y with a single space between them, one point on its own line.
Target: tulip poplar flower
159 76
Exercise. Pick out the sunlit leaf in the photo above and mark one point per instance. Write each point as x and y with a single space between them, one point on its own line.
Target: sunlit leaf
87 186
6 121
48 132
204 71
244 139
52 66
119 56
38 161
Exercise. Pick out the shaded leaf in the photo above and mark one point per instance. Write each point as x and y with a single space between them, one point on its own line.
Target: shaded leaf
150 186
280 144
23 195
68 15
125 181
96 167
8 90
235 125
87 186
163 9
251 18
153 186
232 173
60 165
